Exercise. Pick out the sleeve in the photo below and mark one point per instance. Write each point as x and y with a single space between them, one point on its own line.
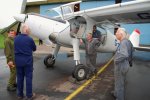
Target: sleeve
84 40
33 45
8 51
123 53
96 43
130 53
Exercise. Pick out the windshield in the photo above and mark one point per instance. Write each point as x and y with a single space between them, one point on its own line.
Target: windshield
66 10
60 12
54 13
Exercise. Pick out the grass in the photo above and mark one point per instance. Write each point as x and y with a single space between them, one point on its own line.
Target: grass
36 41
1 41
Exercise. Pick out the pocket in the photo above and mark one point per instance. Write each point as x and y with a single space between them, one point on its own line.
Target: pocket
125 67
13 70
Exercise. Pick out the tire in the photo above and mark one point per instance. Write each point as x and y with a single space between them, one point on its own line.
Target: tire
80 72
49 61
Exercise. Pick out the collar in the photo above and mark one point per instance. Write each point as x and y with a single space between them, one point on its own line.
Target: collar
23 34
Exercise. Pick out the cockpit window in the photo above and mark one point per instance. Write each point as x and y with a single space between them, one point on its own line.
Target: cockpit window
61 12
55 12
66 10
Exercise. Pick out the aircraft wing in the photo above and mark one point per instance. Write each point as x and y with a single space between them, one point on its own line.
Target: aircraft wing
128 12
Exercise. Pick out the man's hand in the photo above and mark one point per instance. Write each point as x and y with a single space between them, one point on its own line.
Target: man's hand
11 64
81 41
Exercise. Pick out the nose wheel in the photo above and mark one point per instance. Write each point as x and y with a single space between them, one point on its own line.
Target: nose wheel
80 72
49 61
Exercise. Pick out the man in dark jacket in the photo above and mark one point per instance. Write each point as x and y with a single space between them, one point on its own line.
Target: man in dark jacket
96 33
24 46
9 53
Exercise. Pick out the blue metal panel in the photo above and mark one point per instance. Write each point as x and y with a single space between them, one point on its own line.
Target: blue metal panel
143 28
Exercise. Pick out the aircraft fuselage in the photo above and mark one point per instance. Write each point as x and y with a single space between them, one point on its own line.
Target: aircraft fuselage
59 32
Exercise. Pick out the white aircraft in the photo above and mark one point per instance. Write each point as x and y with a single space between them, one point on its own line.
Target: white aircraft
62 29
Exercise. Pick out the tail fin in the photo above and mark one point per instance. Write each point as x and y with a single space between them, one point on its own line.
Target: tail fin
135 38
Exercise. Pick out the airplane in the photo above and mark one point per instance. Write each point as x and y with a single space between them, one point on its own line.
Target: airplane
61 29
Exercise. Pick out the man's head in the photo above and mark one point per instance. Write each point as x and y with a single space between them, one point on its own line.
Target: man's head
25 29
89 36
94 28
121 34
11 33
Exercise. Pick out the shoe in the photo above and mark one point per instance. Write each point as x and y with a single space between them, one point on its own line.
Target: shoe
15 85
113 94
95 72
89 75
19 98
11 88
31 98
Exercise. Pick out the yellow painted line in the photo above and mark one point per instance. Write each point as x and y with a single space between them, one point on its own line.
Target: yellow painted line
78 90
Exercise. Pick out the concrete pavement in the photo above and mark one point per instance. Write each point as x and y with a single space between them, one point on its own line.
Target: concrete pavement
54 83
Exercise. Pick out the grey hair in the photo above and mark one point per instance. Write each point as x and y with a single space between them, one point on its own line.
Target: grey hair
24 28
124 32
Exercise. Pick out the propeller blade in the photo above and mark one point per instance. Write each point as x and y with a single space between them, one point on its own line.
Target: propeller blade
18 28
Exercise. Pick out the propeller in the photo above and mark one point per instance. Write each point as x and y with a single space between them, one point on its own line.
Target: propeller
18 28
20 18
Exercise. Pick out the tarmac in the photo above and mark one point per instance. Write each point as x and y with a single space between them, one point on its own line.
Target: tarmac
57 84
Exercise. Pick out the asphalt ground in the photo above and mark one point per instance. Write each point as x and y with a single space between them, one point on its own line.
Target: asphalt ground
56 83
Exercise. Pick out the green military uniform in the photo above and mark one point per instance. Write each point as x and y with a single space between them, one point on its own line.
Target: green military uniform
9 53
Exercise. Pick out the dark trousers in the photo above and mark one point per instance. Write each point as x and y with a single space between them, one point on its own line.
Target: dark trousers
91 61
27 73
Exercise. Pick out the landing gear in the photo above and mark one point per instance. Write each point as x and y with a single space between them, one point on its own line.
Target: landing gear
49 61
80 72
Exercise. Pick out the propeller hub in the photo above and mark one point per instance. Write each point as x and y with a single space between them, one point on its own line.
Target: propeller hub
20 17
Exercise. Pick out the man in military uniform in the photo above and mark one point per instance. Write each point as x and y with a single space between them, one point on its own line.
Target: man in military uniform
9 53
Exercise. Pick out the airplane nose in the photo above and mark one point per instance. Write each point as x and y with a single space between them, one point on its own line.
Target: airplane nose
20 17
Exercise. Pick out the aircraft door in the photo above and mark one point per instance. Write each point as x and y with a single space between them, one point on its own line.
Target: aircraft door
77 27
81 32
103 34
